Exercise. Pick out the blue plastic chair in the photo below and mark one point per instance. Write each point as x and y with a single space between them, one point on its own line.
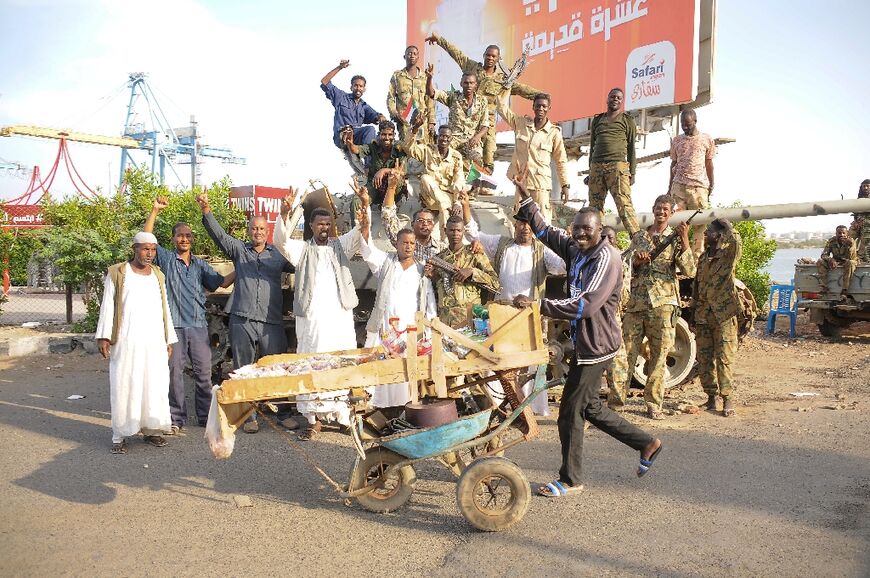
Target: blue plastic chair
781 302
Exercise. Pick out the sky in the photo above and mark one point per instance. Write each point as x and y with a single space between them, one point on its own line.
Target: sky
790 84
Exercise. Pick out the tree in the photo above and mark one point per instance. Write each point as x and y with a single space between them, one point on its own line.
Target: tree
86 236
758 250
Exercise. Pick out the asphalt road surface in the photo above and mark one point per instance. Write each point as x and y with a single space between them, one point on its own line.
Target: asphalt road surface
783 489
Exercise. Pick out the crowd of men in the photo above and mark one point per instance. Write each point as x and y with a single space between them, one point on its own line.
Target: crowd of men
614 303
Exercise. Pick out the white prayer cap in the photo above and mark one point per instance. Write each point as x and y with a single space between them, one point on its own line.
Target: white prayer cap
143 237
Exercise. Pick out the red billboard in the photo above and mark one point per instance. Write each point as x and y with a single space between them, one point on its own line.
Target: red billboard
577 49
256 200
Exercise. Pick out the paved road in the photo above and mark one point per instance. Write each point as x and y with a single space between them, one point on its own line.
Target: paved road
772 492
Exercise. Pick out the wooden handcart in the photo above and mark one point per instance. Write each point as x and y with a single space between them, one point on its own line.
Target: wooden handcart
492 492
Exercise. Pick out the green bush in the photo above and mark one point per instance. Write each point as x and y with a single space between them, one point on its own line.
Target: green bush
757 253
17 248
86 236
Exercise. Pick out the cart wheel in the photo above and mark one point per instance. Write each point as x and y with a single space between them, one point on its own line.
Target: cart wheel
391 493
493 494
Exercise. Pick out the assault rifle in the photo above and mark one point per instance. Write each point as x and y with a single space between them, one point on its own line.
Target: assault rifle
669 240
450 268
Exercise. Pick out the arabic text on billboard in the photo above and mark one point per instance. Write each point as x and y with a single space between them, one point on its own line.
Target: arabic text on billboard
578 49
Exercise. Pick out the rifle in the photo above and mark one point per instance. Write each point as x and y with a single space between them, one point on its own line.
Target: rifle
669 240
450 268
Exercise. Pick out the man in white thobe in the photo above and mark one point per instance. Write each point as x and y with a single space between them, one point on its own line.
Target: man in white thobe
522 266
135 332
403 290
323 301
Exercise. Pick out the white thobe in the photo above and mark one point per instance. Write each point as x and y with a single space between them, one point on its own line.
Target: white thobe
328 326
138 361
515 277
402 303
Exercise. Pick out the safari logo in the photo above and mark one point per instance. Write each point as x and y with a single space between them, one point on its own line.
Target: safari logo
650 73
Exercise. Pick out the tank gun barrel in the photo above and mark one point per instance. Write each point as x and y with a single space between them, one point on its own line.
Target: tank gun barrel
753 213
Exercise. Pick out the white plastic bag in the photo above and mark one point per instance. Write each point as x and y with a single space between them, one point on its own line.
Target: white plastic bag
221 447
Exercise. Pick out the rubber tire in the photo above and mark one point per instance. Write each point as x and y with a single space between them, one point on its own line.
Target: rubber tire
377 459
828 329
684 345
493 468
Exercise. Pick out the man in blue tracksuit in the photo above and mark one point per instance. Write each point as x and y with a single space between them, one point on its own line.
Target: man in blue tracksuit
594 285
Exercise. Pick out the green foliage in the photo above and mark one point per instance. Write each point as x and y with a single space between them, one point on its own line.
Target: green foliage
142 189
86 236
757 253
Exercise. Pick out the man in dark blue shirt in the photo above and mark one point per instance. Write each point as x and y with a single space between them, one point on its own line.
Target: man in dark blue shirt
187 279
350 109
256 315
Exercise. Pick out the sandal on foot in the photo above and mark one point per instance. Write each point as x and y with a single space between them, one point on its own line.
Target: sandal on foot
309 432
557 489
119 447
156 441
645 465
728 408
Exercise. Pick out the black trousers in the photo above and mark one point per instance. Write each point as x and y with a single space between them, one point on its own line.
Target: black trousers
580 402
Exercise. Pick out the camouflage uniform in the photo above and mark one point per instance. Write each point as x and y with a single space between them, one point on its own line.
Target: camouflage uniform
455 298
464 122
860 231
653 308
618 375
488 86
717 305
844 255
405 88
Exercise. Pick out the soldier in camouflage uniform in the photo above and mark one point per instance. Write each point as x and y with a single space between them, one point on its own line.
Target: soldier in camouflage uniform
839 252
408 86
468 119
489 79
458 291
717 305
860 228
654 304
618 377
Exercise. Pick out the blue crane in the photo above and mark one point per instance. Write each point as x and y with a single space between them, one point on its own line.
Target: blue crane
166 145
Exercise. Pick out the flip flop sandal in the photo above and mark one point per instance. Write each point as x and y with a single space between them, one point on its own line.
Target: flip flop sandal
557 489
119 448
156 441
645 465
308 433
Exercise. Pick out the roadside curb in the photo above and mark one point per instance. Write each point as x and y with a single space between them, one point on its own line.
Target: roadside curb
46 344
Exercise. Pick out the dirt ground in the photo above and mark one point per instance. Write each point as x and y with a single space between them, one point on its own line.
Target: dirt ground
781 489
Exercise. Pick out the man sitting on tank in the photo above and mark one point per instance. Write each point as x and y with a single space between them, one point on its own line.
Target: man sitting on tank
380 156
839 253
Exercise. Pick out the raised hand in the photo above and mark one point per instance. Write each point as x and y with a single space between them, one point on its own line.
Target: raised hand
362 194
160 203
287 202
344 63
202 201
430 68
432 38
519 180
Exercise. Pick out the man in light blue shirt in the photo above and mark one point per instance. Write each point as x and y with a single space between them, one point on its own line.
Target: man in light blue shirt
187 279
